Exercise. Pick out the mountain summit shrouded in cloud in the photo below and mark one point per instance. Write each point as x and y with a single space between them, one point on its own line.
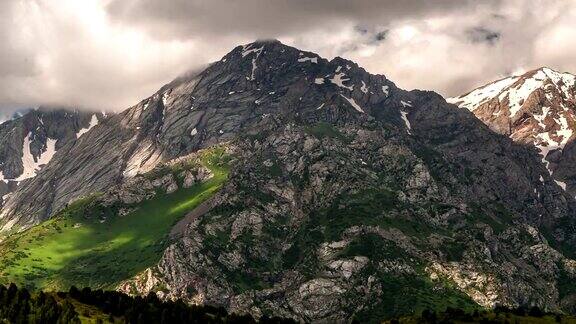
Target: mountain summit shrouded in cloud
108 54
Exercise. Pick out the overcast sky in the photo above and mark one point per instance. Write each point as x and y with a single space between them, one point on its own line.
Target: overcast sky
109 54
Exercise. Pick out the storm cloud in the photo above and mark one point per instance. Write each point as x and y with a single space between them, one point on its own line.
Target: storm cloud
273 18
109 54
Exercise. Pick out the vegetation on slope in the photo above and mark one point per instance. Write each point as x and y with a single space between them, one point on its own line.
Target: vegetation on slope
87 244
499 315
18 305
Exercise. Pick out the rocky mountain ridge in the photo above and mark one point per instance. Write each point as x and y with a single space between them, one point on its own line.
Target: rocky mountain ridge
29 142
344 192
536 108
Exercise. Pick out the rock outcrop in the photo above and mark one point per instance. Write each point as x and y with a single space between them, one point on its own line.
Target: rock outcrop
28 142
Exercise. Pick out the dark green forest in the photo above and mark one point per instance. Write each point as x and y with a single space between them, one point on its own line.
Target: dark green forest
19 305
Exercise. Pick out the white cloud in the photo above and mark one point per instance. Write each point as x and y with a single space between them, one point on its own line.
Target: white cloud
445 52
69 52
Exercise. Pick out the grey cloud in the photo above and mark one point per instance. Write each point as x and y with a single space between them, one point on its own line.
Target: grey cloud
272 18
380 36
482 34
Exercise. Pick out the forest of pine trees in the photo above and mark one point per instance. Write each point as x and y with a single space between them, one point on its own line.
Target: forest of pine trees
18 305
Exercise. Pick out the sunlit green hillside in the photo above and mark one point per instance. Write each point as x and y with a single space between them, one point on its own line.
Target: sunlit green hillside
80 247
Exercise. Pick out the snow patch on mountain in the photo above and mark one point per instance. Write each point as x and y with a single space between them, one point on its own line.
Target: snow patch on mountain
165 98
247 50
93 122
306 59
353 104
561 184
517 89
541 118
31 164
517 95
364 88
403 115
145 105
143 160
339 78
546 99
474 99
405 104
563 81
385 90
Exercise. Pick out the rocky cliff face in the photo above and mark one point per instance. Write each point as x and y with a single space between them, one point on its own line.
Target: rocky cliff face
28 142
329 224
345 193
536 109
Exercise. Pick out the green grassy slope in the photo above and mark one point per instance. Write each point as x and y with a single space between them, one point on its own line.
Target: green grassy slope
77 248
457 316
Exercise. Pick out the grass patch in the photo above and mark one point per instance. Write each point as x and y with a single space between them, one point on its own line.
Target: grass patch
370 207
325 130
565 283
412 294
499 223
483 316
373 247
76 248
365 208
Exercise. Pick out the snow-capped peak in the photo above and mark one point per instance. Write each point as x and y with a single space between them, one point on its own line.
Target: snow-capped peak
537 108
516 90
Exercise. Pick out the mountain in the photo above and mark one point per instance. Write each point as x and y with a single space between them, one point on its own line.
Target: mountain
29 141
536 108
6 116
277 182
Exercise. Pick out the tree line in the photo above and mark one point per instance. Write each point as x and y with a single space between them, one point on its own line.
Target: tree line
18 305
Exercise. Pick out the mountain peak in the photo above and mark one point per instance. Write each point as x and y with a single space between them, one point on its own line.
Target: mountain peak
552 73
545 75
256 47
516 90
536 108
267 41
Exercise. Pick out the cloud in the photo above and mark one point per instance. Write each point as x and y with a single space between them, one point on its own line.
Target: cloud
69 52
556 44
109 54
270 18
482 34
455 52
